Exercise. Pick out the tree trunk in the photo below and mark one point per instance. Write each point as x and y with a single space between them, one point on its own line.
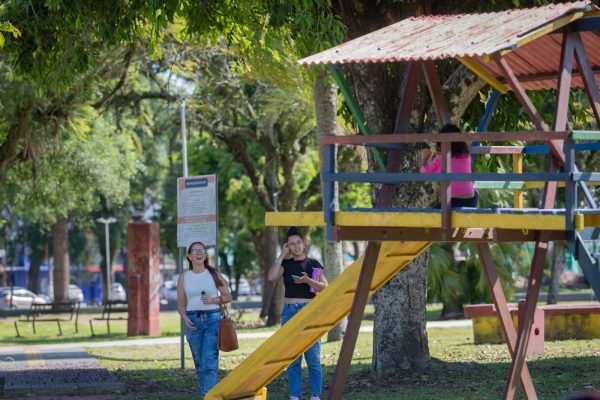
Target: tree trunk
557 267
60 249
37 239
267 244
400 339
325 110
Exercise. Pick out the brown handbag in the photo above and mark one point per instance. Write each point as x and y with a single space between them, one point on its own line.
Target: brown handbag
227 339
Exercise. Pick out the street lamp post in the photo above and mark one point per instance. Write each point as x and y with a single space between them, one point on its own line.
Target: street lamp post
106 222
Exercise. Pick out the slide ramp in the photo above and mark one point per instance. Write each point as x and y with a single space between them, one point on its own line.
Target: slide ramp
249 379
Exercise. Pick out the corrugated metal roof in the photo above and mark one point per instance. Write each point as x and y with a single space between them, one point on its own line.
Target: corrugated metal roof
446 36
537 63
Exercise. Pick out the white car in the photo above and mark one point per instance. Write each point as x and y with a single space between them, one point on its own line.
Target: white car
21 298
117 292
243 288
75 293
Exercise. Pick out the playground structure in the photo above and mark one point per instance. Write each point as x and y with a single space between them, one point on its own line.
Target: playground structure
535 49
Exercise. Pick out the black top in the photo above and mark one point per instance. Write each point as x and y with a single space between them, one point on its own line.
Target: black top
294 267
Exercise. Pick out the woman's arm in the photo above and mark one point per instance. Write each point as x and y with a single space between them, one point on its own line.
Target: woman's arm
433 167
182 302
276 270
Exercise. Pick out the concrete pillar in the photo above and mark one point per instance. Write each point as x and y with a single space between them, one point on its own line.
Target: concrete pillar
143 246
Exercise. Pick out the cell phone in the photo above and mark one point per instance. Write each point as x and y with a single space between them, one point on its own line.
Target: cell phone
296 277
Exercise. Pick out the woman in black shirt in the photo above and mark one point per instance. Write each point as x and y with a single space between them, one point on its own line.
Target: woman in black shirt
303 277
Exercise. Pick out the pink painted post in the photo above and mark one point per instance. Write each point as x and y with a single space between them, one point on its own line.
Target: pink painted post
143 246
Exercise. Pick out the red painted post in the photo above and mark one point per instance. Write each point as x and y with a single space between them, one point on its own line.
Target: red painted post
143 246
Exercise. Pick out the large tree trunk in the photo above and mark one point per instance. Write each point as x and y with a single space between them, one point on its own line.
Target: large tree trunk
267 244
325 110
557 266
400 339
60 249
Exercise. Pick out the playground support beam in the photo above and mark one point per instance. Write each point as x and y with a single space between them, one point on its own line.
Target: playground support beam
548 200
503 313
384 199
443 117
473 235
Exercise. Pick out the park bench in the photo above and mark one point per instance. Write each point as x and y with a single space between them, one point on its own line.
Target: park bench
51 312
109 310
558 321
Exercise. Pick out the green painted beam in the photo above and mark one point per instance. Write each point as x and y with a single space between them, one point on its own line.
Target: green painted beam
363 127
586 135
499 185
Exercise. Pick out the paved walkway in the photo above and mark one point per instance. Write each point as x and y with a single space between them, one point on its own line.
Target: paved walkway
66 369
33 370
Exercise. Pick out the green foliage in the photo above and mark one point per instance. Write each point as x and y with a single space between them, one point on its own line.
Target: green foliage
7 27
69 178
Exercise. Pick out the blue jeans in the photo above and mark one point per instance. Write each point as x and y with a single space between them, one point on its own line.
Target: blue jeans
203 343
312 357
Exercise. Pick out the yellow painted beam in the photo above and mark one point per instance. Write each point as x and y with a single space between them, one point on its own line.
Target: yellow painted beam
483 74
404 219
307 218
591 220
432 220
518 169
546 29
540 185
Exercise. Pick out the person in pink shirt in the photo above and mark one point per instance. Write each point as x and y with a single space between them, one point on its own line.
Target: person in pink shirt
463 193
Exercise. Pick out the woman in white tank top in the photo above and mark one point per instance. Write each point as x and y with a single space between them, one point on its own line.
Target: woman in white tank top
200 292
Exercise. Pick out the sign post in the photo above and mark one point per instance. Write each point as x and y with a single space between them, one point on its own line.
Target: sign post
197 210
196 220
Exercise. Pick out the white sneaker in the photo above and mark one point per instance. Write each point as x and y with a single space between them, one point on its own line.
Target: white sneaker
294 398
314 398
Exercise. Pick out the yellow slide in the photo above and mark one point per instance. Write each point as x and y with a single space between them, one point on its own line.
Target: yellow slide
249 379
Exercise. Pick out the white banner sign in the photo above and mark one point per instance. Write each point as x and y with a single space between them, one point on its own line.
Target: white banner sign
197 210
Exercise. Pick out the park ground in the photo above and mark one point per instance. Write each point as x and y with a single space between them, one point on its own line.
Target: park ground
459 369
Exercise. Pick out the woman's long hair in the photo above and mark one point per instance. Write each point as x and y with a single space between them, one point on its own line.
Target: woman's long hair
456 148
213 271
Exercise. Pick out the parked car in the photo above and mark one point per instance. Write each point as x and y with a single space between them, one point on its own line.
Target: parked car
166 290
170 291
118 292
21 298
75 293
243 287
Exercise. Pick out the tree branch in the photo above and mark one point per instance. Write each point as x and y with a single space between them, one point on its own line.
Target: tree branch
126 61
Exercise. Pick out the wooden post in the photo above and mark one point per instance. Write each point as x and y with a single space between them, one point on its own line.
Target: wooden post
508 328
443 117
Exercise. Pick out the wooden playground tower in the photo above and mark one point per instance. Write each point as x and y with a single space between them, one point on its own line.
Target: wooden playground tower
536 50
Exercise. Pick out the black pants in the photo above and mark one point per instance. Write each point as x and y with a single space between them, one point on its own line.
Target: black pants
459 202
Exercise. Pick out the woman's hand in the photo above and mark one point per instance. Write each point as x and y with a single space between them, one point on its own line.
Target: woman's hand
303 279
189 323
206 299
425 155
285 250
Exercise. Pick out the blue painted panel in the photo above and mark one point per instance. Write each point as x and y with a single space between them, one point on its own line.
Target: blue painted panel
586 24
393 178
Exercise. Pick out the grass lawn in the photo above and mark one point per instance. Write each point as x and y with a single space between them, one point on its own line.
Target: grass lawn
47 332
459 370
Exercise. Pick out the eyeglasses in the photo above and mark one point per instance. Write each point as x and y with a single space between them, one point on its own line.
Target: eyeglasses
198 251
